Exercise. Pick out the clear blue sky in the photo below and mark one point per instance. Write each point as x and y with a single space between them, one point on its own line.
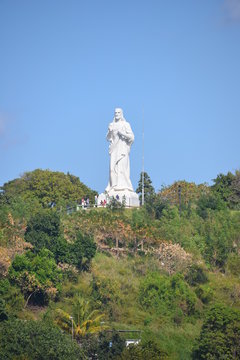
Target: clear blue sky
66 64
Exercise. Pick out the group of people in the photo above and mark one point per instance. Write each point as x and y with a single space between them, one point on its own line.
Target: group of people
85 202
103 203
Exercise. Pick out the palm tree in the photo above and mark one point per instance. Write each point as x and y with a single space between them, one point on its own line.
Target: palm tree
83 320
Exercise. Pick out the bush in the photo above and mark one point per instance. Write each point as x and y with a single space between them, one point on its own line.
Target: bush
147 351
233 264
220 335
13 300
196 275
204 293
37 275
167 294
82 251
36 340
220 231
43 231
208 202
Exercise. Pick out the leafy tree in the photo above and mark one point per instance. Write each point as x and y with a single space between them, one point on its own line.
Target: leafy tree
234 197
111 345
222 185
49 188
220 335
82 250
220 232
43 230
208 202
157 206
36 340
148 188
107 346
190 192
36 274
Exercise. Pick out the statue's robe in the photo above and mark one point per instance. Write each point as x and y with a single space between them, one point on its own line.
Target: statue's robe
119 149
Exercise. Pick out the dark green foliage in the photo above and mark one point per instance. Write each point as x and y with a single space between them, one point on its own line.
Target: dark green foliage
196 275
220 232
228 188
220 335
234 198
156 206
43 231
111 345
149 350
3 310
222 185
204 293
47 222
82 251
36 340
36 274
208 202
105 346
167 294
148 188
4 287
233 264
131 290
11 296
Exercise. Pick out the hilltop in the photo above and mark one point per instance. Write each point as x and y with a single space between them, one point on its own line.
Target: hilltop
167 273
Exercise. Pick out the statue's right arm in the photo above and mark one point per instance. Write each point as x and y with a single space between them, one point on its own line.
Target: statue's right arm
109 133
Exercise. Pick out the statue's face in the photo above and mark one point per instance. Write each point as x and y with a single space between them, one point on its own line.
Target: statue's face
118 114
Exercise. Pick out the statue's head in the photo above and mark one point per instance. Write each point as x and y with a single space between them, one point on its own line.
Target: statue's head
118 114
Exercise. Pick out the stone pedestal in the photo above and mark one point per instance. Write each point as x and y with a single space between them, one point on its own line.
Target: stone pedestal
130 198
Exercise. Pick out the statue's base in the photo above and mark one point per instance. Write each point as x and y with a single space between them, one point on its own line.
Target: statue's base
130 198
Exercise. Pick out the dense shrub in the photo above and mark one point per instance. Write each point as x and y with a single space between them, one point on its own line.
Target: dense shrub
36 340
44 231
233 264
204 293
11 296
37 274
211 201
82 250
220 335
144 351
167 294
196 275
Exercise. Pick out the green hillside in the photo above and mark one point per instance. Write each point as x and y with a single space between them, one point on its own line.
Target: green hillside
77 286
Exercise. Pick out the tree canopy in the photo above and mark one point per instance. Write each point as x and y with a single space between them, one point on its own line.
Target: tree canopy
49 188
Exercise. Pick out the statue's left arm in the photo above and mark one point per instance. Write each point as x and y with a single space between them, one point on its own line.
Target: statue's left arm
127 134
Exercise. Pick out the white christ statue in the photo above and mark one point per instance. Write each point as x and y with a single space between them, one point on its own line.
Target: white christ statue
121 137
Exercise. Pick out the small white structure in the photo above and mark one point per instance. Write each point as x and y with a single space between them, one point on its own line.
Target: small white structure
121 137
132 342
